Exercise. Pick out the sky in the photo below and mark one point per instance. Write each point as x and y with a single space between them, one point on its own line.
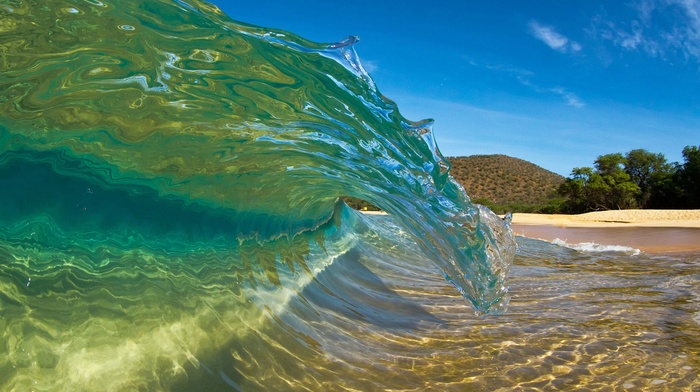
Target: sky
557 83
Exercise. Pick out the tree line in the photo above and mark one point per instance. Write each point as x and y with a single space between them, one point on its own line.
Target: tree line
638 179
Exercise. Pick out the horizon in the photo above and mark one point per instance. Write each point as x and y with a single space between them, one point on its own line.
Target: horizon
554 84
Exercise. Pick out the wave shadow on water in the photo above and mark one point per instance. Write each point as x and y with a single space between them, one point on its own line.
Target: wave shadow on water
317 332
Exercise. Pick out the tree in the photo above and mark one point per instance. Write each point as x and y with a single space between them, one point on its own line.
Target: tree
606 187
618 191
649 171
623 192
688 178
637 179
610 164
574 189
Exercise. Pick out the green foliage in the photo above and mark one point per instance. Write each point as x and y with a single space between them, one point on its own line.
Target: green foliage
359 204
610 164
502 183
553 206
649 171
639 179
687 179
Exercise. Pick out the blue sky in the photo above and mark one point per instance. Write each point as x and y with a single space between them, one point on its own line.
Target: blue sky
557 83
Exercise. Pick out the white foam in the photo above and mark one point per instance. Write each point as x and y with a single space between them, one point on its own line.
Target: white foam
592 247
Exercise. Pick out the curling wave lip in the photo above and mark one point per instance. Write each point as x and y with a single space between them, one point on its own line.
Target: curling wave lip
254 122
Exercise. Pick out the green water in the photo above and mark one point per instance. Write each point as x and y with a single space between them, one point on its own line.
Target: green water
171 183
262 127
170 221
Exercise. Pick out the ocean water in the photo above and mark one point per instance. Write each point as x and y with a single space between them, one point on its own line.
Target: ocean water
171 219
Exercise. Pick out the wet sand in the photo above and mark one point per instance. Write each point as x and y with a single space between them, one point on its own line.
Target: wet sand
648 230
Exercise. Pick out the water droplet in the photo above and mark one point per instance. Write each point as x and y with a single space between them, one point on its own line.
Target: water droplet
127 27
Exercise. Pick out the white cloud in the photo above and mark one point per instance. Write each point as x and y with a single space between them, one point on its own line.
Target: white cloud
547 35
502 68
692 9
570 98
692 30
661 28
524 77
552 38
370 66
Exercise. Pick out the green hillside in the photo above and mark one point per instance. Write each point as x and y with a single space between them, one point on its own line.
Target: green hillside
505 183
502 183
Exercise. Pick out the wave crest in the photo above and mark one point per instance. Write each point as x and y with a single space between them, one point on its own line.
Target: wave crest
255 123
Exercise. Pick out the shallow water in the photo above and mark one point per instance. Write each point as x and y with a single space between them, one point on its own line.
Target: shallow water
378 317
649 239
578 320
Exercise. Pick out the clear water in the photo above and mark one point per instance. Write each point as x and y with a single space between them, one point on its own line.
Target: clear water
170 220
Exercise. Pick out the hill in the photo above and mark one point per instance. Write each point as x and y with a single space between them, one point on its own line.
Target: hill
505 183
502 183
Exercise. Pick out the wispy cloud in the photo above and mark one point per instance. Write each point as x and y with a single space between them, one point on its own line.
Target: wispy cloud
370 66
689 36
525 77
552 38
661 28
502 68
570 98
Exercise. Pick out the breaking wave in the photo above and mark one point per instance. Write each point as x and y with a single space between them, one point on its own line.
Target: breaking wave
172 179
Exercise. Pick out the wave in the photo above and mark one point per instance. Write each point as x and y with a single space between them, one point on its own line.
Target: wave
172 178
593 247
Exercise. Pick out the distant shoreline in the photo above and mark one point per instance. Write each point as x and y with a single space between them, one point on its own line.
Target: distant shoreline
601 219
655 231
615 218
374 212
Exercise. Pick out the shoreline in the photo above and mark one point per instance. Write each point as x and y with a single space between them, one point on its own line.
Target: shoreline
653 231
615 218
603 219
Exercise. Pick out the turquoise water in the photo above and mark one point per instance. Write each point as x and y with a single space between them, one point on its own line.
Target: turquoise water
223 133
171 219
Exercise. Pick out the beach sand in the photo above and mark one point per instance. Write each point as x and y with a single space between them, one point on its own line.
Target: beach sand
652 231
647 230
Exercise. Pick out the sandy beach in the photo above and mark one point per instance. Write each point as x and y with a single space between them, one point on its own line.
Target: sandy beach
653 231
647 230
615 218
